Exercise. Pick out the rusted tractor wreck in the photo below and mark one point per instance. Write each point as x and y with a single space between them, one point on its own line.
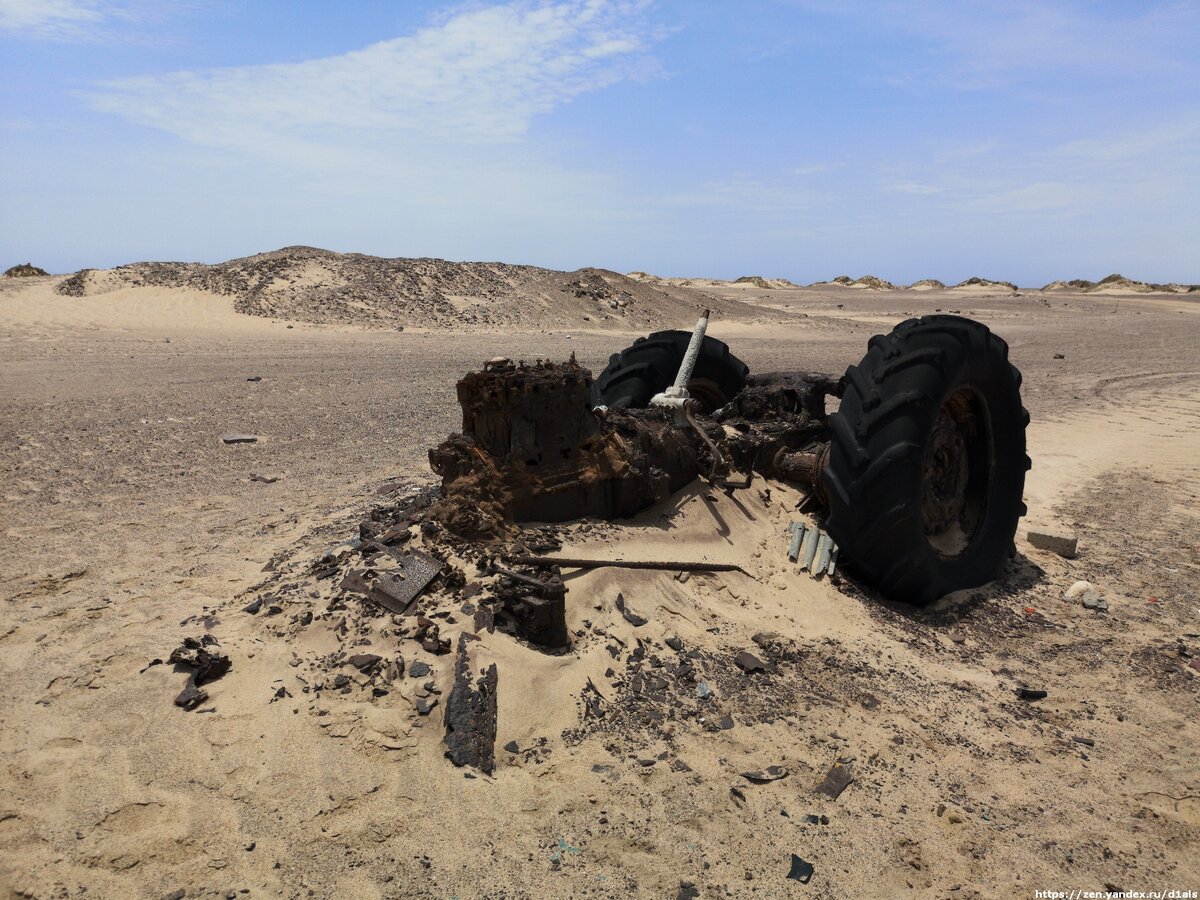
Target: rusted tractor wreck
917 476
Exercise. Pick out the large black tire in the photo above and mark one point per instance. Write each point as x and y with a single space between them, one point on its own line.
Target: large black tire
927 461
650 364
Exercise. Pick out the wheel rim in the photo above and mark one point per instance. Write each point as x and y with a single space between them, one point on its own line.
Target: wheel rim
707 393
957 473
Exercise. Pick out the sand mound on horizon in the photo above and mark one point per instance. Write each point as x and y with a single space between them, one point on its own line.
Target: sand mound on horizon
25 270
986 283
1119 284
307 284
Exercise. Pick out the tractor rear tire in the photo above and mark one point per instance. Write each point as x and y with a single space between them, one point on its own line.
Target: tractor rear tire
649 365
927 459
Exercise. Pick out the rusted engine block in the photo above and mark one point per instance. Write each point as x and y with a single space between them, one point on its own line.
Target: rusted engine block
532 449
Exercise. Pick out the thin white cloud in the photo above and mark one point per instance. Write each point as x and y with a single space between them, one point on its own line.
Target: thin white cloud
479 76
48 18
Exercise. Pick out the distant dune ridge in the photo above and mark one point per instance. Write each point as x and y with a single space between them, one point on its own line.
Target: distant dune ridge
311 285
1120 284
1113 284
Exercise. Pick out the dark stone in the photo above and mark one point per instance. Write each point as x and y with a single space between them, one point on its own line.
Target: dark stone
512 747
1030 694
274 610
208 664
235 438
418 669
801 870
629 615
749 663
646 763
674 643
364 662
191 696
1087 742
725 722
772 773
255 378
253 606
471 715
340 681
687 891
425 705
306 618
811 819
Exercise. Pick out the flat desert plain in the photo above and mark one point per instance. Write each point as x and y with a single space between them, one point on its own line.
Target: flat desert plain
129 525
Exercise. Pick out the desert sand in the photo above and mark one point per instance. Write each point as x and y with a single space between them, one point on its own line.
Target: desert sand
129 525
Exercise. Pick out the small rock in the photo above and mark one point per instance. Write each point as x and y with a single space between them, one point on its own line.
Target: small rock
425 705
1060 356
725 722
364 662
749 663
1087 742
801 870
629 615
418 669
255 378
687 891
956 636
512 747
674 643
772 773
1065 545
235 438
263 479
703 691
1031 694
1087 594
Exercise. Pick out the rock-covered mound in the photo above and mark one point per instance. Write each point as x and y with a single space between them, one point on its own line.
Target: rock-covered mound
1119 284
977 282
927 284
311 285
24 270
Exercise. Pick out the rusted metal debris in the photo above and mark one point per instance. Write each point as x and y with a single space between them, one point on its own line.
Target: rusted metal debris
207 664
395 590
533 609
531 449
471 715
836 780
569 562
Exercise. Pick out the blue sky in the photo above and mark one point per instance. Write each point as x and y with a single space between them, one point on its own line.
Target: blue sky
794 138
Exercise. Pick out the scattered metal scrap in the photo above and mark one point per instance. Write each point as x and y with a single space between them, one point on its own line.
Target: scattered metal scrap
813 549
395 590
471 715
206 664
574 563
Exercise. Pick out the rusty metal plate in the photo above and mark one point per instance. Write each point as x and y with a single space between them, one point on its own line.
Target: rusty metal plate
396 589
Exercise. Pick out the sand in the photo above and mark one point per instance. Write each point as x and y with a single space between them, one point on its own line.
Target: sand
127 522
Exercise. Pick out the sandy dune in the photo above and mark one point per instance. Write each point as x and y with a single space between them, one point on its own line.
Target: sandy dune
129 525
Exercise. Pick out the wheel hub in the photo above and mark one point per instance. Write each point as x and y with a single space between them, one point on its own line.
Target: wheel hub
956 474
